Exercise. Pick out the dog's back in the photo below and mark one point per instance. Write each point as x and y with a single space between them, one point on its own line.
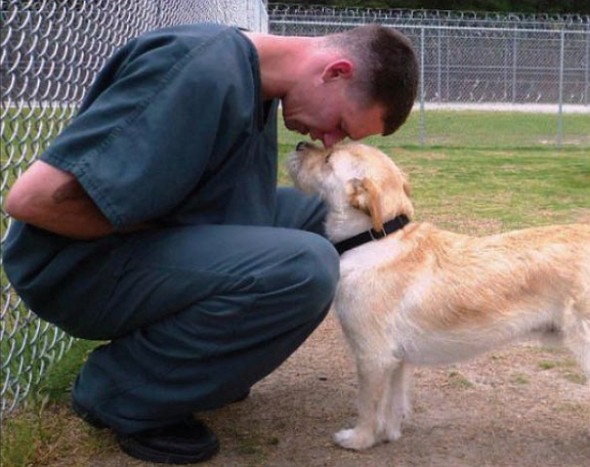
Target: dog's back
444 297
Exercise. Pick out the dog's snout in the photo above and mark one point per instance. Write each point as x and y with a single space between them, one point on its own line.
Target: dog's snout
301 145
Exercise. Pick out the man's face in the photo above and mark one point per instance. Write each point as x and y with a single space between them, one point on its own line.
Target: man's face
326 112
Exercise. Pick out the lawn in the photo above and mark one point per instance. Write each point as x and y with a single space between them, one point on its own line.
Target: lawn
495 173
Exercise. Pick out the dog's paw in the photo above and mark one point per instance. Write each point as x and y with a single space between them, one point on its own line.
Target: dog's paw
392 434
354 439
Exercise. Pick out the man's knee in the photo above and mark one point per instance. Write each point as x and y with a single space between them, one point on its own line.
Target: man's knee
324 265
311 272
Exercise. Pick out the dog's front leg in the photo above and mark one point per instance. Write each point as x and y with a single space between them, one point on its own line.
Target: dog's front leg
375 377
398 407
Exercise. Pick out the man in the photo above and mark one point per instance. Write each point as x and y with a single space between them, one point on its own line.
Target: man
153 220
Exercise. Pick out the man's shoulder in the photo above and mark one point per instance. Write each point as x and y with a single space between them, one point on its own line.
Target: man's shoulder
214 45
197 34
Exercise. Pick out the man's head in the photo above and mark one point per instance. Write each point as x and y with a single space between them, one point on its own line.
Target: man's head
386 68
360 82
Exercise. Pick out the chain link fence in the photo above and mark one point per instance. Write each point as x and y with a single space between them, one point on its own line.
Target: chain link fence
50 52
289 13
479 62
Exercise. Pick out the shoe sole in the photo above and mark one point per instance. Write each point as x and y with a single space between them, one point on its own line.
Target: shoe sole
134 449
137 451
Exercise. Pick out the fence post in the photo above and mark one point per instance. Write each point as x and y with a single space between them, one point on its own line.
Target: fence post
560 90
422 113
439 68
514 64
587 69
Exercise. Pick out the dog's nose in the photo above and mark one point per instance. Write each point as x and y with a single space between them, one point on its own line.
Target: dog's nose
301 145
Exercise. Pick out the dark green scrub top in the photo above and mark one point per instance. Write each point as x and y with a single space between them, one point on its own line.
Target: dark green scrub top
173 131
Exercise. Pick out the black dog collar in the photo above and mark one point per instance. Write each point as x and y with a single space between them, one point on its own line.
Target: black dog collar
389 227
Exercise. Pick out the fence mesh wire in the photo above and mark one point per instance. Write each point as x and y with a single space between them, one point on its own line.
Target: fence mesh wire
51 51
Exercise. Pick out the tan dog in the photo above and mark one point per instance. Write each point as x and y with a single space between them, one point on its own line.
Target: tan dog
425 296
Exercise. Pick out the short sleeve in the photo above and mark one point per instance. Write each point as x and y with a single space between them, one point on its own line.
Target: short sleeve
157 119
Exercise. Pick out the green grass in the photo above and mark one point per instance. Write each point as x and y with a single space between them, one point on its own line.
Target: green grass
38 431
520 379
547 365
515 187
481 129
480 173
457 380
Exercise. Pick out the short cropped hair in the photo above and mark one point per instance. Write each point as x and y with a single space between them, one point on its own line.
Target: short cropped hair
387 69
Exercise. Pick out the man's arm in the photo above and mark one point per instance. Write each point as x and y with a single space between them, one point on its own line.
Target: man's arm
52 199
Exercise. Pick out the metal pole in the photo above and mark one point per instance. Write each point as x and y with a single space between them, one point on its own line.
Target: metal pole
422 112
587 70
447 67
560 98
514 64
439 68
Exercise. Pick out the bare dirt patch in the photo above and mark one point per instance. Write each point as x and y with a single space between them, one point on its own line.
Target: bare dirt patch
522 406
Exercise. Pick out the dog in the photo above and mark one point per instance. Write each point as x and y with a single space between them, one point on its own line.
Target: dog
411 294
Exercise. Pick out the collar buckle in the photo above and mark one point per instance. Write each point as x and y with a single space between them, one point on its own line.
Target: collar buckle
389 227
377 235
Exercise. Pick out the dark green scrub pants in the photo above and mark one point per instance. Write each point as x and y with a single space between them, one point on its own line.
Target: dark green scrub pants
196 315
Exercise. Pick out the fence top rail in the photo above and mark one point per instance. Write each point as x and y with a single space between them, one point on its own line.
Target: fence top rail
474 18
346 24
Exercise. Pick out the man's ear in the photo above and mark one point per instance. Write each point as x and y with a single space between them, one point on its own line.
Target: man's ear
365 195
340 68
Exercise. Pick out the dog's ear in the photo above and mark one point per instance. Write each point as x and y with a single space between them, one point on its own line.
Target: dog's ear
365 195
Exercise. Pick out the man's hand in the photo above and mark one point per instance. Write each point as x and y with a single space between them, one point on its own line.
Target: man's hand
52 199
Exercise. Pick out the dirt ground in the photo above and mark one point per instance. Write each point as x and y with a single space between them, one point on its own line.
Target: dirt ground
522 406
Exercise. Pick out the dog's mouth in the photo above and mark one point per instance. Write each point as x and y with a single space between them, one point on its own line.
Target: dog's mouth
296 167
303 146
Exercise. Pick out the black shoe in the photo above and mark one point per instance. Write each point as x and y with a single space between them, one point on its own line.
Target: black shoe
241 397
186 442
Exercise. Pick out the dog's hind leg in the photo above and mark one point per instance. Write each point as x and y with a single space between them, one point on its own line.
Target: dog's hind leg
576 330
375 374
